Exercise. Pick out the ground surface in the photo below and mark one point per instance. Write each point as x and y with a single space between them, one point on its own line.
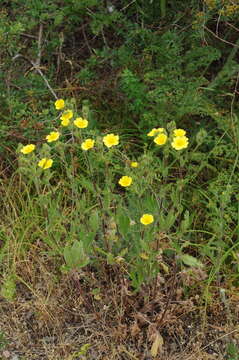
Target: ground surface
53 316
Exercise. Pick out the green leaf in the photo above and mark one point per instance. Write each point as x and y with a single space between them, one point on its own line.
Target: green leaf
170 219
87 184
75 256
8 288
201 136
123 222
94 221
190 260
86 239
185 222
110 259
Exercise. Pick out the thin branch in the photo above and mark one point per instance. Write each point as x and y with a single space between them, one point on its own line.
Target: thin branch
210 344
219 38
104 38
86 40
126 6
39 45
234 94
39 71
28 35
218 20
233 26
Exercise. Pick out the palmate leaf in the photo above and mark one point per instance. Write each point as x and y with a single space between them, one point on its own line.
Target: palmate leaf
75 256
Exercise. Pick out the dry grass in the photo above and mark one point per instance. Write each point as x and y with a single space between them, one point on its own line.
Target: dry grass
53 315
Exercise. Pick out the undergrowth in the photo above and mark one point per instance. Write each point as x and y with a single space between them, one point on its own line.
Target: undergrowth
120 146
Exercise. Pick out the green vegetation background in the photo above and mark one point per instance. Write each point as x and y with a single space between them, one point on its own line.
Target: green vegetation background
134 65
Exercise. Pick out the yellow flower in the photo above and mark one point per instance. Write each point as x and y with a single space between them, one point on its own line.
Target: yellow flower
179 132
67 115
81 123
87 144
111 140
65 122
59 104
45 163
28 149
146 219
134 164
180 142
161 139
155 131
125 181
53 136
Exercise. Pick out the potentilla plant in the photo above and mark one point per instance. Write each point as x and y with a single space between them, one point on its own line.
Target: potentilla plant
121 207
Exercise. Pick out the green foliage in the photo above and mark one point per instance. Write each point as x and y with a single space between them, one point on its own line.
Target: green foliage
140 65
84 215
232 352
8 288
3 340
75 256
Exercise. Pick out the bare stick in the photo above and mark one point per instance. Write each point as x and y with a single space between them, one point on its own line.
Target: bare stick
219 38
39 43
39 71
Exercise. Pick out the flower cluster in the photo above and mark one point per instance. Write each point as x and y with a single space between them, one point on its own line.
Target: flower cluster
109 140
179 138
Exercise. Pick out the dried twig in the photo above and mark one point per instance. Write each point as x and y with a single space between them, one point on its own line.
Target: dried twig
28 35
218 21
233 26
39 45
86 40
38 70
193 356
234 94
219 38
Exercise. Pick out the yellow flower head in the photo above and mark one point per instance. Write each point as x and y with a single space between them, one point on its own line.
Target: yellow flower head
65 122
155 131
81 123
180 142
134 164
87 144
146 219
67 115
125 181
179 132
59 104
53 136
28 149
111 140
45 163
160 139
